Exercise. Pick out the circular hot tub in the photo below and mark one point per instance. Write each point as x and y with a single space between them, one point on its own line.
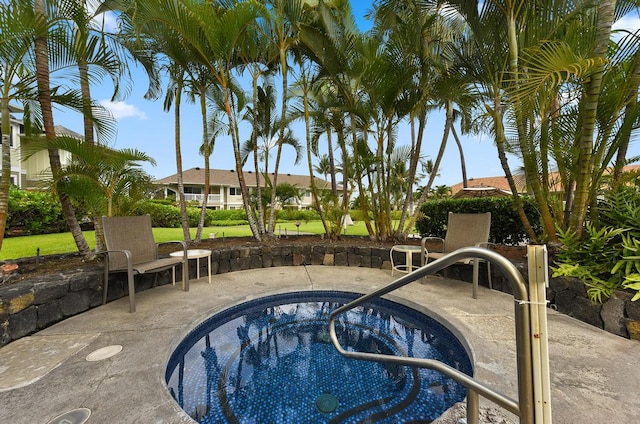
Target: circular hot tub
271 360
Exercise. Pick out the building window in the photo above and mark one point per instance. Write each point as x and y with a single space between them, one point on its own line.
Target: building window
192 190
235 191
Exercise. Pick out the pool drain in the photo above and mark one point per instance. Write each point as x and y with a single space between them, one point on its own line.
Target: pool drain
75 416
326 403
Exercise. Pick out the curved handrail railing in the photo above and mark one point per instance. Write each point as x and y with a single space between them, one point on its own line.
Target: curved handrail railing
523 408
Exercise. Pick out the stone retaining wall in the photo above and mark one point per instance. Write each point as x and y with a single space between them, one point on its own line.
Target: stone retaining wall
32 305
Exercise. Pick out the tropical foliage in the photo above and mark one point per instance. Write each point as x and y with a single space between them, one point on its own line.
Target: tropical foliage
547 81
506 226
607 256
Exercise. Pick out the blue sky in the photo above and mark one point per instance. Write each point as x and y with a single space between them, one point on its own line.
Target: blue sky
143 125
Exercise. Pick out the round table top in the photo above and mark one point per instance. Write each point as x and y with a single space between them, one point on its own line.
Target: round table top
192 253
406 248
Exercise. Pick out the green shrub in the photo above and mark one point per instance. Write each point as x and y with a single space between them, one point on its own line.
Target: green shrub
297 215
357 215
228 222
162 215
234 214
506 226
607 256
34 212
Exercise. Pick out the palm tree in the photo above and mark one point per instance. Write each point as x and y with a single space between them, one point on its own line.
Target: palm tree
323 167
549 57
283 18
214 128
303 90
332 41
44 98
17 25
585 145
94 52
103 180
190 32
173 98
266 132
203 90
265 136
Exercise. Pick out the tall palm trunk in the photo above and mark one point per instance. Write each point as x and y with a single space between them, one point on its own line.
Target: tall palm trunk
235 139
448 123
463 164
501 141
307 131
85 90
207 176
332 161
528 155
581 200
5 179
281 133
44 97
413 166
254 142
184 218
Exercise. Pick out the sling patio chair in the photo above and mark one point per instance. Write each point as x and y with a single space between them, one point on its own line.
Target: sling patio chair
463 230
131 248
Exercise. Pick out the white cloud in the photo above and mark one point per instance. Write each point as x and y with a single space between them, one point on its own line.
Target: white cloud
630 22
121 110
109 21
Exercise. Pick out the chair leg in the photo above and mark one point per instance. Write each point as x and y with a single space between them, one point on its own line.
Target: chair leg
391 259
132 292
476 266
489 275
185 275
105 283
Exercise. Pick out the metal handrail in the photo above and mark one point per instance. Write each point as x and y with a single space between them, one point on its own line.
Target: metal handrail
523 408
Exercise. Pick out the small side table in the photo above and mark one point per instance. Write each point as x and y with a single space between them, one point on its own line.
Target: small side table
408 250
196 254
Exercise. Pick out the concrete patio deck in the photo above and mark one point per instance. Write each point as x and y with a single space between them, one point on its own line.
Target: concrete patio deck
594 374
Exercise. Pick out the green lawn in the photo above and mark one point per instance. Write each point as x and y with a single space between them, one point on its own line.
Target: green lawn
49 244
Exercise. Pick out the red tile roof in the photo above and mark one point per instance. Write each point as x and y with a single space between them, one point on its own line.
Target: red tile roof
521 184
496 182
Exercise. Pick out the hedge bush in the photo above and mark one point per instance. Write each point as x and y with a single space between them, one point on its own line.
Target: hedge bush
34 212
297 215
168 216
506 226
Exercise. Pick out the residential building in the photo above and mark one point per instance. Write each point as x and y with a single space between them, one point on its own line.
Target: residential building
31 173
500 183
224 190
37 167
17 171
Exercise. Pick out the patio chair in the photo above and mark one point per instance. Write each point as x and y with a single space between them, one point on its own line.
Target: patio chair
132 249
463 230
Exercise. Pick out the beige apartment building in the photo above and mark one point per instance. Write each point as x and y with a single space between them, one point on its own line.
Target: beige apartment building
224 190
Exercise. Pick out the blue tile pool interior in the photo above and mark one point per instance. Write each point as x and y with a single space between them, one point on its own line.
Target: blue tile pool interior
270 360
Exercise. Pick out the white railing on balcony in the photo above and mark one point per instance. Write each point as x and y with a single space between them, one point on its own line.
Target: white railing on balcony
212 199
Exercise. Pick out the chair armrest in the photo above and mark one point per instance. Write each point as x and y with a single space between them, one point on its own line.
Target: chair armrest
182 242
485 244
126 253
423 242
424 252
